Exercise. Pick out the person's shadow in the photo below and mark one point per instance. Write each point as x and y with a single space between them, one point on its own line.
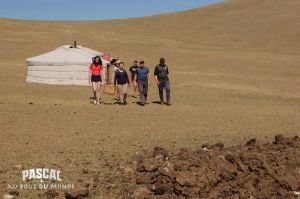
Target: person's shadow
155 102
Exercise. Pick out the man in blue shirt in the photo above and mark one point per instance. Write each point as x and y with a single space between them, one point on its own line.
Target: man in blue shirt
142 76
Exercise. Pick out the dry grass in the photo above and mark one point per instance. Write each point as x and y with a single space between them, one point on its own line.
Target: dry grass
235 75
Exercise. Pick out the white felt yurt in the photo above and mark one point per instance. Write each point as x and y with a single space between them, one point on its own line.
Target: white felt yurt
66 65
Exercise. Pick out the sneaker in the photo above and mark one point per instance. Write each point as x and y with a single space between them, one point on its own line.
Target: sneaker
95 102
168 104
98 102
161 102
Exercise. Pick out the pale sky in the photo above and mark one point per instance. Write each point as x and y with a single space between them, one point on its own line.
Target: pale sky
93 9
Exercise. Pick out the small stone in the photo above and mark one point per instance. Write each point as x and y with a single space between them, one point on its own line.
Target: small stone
205 145
296 193
13 192
205 149
51 194
251 142
8 197
85 171
77 193
227 175
18 167
160 151
219 145
279 139
128 171
221 156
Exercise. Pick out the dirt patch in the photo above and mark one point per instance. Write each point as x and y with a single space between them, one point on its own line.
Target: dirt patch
253 170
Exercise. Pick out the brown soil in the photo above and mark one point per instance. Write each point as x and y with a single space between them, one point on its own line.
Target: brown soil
254 170
235 75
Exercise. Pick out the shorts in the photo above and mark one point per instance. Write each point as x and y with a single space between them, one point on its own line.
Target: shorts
96 78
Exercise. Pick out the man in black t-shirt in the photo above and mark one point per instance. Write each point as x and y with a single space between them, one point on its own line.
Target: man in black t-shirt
132 71
161 74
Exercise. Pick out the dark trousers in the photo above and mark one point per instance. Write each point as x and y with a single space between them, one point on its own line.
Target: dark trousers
143 89
164 84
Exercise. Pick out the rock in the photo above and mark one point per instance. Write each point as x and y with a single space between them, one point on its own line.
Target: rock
185 179
14 192
160 151
291 181
229 157
251 142
146 178
218 145
128 171
279 139
141 192
77 193
85 171
18 167
145 167
227 175
296 193
8 197
51 194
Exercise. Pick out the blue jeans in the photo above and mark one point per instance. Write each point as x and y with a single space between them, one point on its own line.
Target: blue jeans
164 84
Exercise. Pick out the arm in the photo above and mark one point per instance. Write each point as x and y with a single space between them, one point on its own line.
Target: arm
135 78
149 77
127 78
130 73
168 75
90 74
155 75
115 79
102 76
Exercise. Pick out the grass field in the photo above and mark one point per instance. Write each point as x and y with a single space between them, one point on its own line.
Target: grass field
235 75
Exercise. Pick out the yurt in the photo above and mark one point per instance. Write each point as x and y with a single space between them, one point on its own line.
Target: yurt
66 65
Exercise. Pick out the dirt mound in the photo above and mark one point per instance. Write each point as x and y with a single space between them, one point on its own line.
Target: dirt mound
254 170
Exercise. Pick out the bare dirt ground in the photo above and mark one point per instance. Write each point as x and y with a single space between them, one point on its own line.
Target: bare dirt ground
234 71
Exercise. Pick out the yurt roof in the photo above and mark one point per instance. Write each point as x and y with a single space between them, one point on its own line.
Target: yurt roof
64 55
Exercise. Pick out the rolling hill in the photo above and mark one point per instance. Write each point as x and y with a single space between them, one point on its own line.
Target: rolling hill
234 70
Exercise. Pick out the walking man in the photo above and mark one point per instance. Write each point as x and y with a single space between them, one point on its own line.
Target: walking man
142 76
161 74
132 71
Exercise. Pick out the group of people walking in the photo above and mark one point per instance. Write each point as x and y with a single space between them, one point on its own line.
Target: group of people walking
139 77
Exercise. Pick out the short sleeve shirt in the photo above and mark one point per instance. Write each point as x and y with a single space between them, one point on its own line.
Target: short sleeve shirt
142 74
133 69
96 70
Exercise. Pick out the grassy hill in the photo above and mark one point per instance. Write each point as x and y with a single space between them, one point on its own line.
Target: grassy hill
234 69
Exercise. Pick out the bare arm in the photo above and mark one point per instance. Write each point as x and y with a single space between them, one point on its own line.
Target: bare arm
149 78
89 76
135 78
130 73
156 79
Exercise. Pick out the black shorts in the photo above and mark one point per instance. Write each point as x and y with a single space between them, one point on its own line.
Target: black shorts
96 78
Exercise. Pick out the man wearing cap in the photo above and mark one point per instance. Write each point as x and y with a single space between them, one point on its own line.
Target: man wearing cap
161 74
142 76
